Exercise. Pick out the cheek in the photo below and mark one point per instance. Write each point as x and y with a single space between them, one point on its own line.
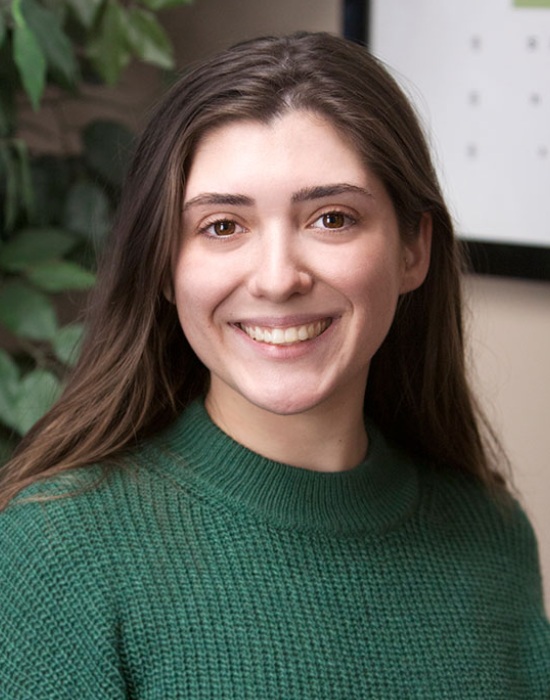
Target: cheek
189 290
199 291
372 281
374 292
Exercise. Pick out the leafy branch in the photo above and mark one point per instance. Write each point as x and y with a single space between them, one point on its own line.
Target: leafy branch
56 210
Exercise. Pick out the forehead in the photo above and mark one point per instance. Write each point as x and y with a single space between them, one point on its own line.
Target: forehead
298 148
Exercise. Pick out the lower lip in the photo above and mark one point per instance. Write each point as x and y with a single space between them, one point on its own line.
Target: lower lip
286 352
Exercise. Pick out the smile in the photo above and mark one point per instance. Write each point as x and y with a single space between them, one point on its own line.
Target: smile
286 336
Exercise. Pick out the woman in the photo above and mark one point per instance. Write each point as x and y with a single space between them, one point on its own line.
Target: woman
221 505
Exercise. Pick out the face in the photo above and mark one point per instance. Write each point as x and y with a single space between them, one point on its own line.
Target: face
290 265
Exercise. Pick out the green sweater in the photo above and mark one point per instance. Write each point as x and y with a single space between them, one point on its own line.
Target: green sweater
206 571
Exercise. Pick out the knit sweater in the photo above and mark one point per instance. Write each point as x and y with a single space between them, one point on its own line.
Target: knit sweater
203 570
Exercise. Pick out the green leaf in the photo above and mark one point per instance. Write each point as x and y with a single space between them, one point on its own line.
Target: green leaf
28 56
31 246
9 385
60 276
85 10
108 48
164 4
148 39
107 150
58 8
53 41
37 392
9 372
27 312
87 211
66 343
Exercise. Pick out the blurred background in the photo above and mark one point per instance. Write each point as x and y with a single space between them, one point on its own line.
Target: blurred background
62 162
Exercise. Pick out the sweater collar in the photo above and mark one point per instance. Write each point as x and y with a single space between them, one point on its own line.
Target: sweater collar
374 496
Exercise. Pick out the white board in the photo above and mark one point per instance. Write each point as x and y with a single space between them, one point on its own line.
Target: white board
478 72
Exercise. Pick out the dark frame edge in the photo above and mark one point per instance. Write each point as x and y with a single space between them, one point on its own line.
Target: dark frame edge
508 260
355 20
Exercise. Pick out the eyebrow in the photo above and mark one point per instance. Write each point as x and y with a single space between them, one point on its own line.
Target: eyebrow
234 200
306 194
321 191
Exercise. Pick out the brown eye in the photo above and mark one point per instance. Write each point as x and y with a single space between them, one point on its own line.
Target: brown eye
334 219
223 228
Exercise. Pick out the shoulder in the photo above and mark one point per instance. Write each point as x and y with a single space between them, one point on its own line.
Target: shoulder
74 553
491 528
72 505
57 617
94 514
48 527
453 498
450 492
487 550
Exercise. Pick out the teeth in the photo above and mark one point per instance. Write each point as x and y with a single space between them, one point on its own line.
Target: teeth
286 336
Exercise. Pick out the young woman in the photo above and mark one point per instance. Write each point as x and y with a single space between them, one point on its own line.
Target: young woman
267 477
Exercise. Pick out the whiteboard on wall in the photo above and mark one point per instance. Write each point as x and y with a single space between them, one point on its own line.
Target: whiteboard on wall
478 72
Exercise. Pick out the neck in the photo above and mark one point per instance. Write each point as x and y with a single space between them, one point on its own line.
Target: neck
325 438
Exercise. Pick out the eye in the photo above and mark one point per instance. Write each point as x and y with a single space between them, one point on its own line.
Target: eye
333 221
221 228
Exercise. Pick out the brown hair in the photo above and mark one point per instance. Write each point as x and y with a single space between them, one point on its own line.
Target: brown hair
137 371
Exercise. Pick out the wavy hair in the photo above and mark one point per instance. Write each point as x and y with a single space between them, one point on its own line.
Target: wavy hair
137 372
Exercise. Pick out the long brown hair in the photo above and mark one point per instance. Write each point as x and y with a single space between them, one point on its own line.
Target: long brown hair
137 372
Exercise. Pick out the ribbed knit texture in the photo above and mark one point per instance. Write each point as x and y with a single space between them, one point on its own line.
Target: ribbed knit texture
204 571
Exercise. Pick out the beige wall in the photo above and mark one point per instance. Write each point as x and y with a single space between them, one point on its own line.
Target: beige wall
207 26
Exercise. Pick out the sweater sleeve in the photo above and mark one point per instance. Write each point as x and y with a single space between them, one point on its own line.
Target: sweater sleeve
57 629
534 633
497 548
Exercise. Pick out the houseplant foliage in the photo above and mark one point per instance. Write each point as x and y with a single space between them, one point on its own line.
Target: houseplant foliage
55 210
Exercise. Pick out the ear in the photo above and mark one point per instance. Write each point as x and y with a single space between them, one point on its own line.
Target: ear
416 256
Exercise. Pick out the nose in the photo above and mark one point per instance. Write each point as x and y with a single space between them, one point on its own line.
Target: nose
280 269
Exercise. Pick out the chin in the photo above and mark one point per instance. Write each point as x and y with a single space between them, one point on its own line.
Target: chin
285 405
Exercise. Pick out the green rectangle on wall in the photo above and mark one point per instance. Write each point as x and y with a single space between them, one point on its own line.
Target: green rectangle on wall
532 3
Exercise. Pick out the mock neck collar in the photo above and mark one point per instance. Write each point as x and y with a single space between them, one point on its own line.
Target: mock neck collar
374 496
